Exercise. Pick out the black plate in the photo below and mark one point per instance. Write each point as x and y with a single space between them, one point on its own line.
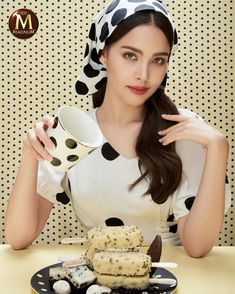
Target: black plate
41 284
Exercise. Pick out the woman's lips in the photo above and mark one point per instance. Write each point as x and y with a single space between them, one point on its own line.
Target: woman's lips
138 90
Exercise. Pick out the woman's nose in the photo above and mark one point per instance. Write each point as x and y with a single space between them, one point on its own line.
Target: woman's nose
142 72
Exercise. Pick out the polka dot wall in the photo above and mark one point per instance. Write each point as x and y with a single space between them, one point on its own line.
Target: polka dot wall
37 75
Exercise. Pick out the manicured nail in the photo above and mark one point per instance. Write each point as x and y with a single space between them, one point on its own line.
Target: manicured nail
160 132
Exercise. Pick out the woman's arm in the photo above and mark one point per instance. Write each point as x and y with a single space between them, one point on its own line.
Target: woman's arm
27 212
199 230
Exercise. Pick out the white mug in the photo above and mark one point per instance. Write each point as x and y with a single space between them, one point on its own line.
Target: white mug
75 134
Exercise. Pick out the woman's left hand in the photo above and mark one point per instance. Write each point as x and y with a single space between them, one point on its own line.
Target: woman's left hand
190 128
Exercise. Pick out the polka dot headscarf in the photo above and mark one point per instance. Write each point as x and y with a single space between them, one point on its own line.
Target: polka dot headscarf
94 75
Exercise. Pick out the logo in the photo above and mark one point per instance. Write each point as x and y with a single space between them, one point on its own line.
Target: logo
23 23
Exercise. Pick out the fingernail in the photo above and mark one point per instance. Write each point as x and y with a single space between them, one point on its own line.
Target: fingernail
164 115
160 132
160 140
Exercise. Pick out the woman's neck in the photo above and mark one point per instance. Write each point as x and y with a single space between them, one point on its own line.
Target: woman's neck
118 113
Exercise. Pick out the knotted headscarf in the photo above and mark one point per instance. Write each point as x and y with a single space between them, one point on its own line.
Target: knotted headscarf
94 74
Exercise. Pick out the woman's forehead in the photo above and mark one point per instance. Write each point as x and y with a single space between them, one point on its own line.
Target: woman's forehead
145 36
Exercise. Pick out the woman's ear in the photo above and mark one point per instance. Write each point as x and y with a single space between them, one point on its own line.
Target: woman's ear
103 57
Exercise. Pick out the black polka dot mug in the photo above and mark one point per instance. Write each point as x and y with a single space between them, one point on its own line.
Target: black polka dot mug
75 134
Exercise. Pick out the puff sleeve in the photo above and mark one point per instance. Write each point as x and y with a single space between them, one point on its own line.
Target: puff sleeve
49 181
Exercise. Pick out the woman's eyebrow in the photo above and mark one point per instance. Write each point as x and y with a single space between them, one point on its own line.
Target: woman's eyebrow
141 52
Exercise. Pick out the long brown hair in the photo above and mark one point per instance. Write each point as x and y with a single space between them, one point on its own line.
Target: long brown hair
159 165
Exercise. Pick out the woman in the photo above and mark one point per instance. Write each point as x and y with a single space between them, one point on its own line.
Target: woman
159 167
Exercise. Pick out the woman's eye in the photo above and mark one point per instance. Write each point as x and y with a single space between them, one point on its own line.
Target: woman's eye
130 55
159 60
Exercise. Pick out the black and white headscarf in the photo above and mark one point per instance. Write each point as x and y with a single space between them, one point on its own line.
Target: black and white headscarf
94 75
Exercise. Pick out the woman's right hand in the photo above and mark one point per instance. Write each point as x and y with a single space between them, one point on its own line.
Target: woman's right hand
36 139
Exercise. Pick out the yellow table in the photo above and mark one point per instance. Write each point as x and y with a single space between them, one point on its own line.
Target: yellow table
213 274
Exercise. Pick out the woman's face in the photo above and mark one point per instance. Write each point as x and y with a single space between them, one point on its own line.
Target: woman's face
136 64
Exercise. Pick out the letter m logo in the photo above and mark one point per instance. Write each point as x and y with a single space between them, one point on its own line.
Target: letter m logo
23 23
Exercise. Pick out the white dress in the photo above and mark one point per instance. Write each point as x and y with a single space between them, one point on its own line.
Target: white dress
98 189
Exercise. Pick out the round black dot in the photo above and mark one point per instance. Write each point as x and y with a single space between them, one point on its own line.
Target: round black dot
160 6
113 5
53 139
81 88
72 158
90 72
113 222
104 32
108 152
118 16
86 50
144 7
92 32
55 161
189 202
71 144
62 197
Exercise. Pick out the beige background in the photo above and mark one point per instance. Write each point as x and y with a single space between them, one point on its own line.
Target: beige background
37 75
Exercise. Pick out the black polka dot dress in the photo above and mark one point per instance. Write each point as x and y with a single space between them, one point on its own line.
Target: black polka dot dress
98 189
